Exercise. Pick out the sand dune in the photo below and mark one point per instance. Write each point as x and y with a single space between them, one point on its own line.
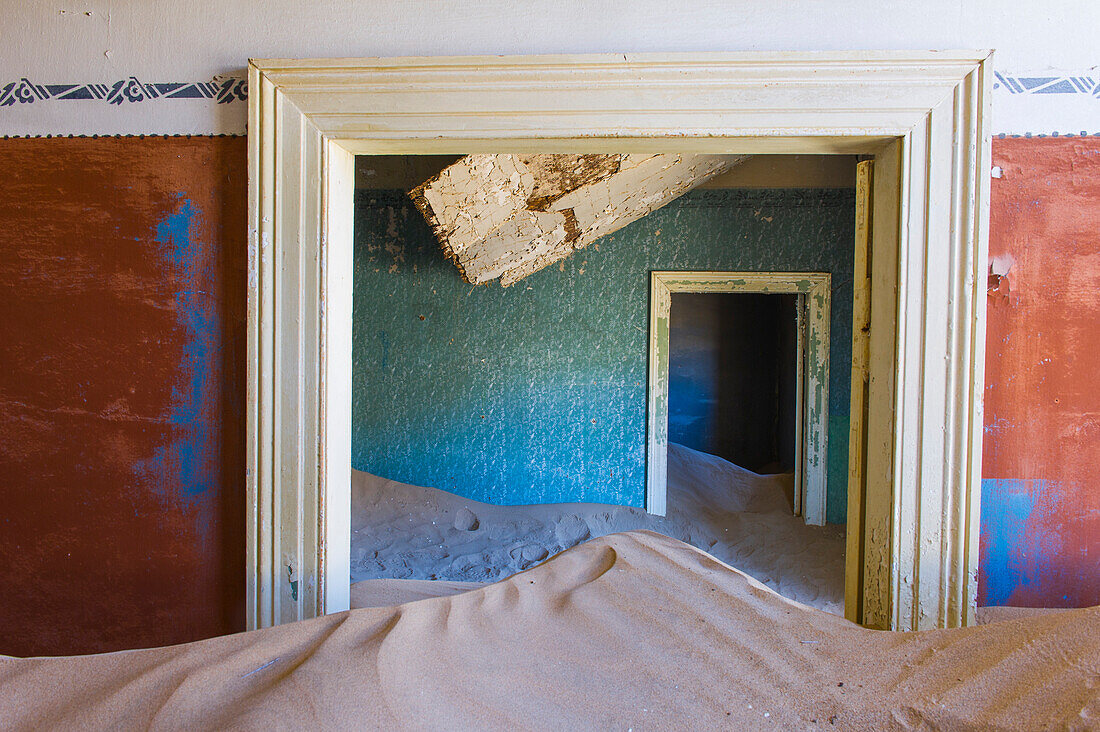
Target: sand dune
389 592
630 631
403 532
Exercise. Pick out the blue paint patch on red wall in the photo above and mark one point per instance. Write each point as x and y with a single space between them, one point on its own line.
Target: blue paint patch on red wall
1029 553
191 457
1007 506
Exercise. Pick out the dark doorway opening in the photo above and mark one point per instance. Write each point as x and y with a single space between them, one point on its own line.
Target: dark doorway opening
733 377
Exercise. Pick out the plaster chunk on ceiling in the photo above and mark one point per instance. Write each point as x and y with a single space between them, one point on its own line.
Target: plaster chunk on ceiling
507 216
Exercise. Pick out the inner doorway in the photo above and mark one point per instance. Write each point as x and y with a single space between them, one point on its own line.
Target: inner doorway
734 362
751 380
443 496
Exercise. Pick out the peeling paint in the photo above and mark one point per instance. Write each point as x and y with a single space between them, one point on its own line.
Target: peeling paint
508 216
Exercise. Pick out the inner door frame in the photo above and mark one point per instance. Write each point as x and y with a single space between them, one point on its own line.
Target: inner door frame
921 116
812 433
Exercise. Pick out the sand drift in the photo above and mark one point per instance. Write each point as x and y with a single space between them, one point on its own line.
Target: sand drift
404 532
632 630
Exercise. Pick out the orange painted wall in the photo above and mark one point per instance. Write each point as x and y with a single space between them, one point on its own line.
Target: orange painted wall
1040 540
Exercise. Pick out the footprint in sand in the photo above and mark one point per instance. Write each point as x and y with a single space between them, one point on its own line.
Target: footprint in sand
525 555
466 520
572 530
534 553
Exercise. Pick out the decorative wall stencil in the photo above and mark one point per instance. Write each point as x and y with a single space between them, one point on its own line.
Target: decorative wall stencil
1048 84
1025 104
224 91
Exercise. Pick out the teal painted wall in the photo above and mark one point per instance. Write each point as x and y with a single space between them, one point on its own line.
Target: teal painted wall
536 393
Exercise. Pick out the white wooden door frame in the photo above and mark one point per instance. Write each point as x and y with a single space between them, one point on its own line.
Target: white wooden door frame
812 414
922 116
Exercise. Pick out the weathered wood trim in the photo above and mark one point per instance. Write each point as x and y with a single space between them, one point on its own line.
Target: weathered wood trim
799 497
298 481
884 374
656 463
815 471
921 115
811 472
857 450
334 494
973 246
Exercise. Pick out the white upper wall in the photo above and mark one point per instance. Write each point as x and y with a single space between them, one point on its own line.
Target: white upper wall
61 46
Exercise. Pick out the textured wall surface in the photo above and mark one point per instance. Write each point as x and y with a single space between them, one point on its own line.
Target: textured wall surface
536 393
1040 537
121 392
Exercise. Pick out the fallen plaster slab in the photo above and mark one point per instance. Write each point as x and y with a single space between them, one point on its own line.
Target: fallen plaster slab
508 216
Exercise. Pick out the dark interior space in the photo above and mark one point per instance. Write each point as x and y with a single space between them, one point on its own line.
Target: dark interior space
733 376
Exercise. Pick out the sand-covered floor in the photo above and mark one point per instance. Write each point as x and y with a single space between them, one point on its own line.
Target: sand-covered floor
404 532
630 631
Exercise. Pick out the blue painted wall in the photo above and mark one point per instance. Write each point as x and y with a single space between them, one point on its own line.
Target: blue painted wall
536 393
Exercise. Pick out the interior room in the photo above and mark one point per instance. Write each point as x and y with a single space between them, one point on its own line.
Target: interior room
496 426
501 365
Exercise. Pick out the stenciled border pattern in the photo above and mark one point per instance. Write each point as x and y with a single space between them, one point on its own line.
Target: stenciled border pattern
1048 84
227 91
131 90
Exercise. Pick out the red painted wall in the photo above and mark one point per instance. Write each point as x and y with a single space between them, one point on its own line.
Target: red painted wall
121 392
1040 540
